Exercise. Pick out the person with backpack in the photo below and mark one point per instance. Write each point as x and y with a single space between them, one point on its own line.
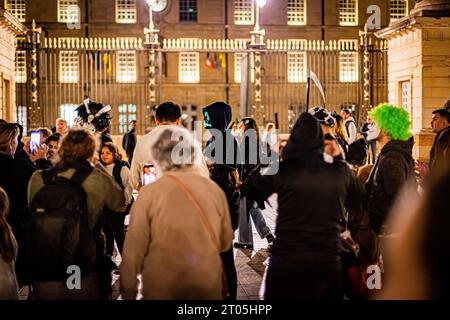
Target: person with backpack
350 125
114 221
8 253
65 242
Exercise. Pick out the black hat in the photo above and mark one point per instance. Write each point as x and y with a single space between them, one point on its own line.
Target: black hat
93 115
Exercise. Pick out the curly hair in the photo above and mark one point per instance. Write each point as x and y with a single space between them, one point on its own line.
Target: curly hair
393 120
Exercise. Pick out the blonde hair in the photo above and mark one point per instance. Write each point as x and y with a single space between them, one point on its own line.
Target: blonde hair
8 132
340 130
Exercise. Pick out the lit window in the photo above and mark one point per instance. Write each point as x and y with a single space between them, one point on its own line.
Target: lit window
188 10
68 11
21 112
243 12
17 8
126 66
238 66
348 12
398 9
127 113
296 67
68 113
21 66
68 66
348 61
406 95
189 67
125 11
296 12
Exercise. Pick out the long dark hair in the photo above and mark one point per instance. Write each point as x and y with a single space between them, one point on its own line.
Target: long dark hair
6 241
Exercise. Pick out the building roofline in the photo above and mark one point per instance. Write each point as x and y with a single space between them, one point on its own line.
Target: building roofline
411 22
11 22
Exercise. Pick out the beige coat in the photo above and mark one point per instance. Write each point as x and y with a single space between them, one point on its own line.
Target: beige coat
168 243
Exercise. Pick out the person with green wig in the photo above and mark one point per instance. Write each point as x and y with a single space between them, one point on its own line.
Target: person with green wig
394 165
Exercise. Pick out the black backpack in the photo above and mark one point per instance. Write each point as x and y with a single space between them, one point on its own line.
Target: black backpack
59 234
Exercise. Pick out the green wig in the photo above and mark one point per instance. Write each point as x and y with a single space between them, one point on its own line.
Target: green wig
392 120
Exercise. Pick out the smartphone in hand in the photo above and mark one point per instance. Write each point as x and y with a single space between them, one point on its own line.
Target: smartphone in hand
35 141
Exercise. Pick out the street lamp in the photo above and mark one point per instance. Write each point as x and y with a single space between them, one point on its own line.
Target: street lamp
151 3
259 5
258 33
150 32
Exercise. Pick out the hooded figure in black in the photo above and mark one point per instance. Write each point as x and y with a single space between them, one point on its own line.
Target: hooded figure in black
312 196
221 155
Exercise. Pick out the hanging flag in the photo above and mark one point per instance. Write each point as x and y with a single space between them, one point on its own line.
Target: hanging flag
107 62
222 60
216 61
91 57
210 62
97 60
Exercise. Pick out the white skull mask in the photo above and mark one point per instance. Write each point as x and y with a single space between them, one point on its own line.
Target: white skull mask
373 132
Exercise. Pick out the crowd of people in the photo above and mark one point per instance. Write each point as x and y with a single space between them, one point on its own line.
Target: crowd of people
65 203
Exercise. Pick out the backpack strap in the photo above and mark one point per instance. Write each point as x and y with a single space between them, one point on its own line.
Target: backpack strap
49 175
203 217
80 175
116 173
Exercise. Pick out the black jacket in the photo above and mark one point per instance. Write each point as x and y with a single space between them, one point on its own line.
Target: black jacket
312 196
14 177
394 166
441 145
43 164
129 143
218 116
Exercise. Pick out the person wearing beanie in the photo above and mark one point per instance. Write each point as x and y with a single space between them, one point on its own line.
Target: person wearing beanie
313 194
394 165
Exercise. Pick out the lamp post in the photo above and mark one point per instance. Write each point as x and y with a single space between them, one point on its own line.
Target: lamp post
151 34
256 45
152 44
258 33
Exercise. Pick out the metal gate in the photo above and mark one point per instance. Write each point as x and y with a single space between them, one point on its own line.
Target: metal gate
132 78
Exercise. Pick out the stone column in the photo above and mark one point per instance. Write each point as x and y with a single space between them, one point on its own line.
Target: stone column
419 60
